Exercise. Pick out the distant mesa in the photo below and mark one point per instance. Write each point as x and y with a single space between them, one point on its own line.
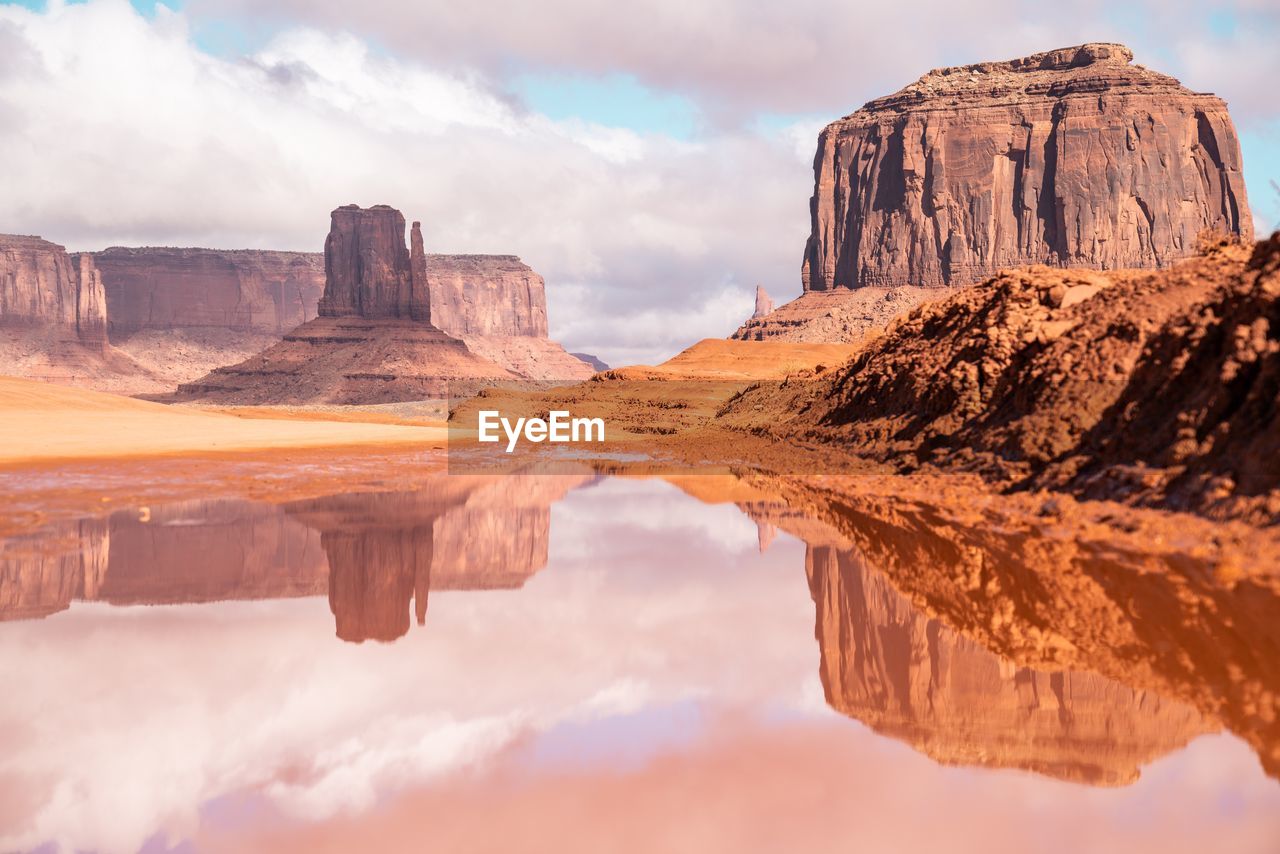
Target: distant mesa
1071 158
596 363
172 315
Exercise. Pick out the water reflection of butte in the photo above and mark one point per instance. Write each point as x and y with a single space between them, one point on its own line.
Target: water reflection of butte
375 554
911 678
387 551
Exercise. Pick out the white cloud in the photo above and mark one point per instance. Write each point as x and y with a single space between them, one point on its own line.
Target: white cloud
123 721
119 130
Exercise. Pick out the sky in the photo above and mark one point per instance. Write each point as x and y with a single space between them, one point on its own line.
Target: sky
652 160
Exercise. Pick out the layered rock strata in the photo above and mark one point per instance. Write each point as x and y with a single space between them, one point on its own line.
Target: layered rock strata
53 320
1074 158
250 291
42 287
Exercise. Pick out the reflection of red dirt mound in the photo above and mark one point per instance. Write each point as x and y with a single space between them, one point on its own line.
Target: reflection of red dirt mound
1170 604
1039 371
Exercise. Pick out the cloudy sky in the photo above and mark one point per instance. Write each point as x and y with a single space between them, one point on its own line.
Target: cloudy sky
651 159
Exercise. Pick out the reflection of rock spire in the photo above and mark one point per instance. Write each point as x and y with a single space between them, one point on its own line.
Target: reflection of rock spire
387 550
765 533
912 678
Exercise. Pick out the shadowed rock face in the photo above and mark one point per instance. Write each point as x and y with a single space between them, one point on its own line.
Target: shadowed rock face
913 678
243 291
369 272
44 288
1072 158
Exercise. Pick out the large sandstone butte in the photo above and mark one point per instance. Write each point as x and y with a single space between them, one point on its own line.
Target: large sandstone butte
1072 158
373 341
53 319
184 312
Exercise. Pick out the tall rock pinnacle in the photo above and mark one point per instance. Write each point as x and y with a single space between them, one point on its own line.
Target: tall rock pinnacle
1073 157
369 272
764 305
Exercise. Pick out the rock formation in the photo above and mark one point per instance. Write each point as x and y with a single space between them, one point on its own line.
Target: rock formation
764 305
498 306
373 341
42 287
377 339
369 272
912 678
241 291
597 364
53 320
487 295
842 315
1153 387
1074 158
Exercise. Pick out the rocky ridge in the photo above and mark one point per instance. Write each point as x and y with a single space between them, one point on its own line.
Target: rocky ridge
1155 388
41 286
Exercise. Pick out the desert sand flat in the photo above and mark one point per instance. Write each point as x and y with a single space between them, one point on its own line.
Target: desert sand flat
43 422
724 359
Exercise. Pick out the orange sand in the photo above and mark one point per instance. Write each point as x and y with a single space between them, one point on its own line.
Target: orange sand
41 422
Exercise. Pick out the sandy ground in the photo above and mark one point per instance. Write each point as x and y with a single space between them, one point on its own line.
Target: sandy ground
722 359
43 422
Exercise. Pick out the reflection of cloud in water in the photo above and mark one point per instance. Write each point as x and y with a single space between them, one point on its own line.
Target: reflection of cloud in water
639 648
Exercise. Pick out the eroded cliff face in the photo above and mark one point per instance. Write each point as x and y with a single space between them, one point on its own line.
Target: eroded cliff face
486 295
1073 158
910 677
44 288
243 290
